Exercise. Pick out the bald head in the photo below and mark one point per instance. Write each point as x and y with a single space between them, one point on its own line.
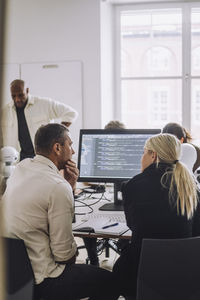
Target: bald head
19 93
17 83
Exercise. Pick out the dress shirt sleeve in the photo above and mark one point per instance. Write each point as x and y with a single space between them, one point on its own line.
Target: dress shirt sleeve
60 216
58 110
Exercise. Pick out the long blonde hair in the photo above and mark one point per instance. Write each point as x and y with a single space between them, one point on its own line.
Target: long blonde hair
182 184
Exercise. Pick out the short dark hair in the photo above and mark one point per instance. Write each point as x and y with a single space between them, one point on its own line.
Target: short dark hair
177 130
17 83
47 135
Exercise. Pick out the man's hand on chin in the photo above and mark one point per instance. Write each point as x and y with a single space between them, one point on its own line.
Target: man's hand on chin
71 173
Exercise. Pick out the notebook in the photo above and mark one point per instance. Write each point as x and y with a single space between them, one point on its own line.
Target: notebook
102 225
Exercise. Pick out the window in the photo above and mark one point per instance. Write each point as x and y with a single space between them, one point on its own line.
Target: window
196 59
196 103
158 63
158 100
195 71
158 59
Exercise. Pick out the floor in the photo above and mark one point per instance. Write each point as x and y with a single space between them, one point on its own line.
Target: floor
105 262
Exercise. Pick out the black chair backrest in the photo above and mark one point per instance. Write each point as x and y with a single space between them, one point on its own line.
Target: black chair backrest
169 269
18 270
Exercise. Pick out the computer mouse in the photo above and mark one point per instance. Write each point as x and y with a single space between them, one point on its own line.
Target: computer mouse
84 229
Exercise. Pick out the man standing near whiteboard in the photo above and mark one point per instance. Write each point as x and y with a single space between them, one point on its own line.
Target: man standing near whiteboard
25 114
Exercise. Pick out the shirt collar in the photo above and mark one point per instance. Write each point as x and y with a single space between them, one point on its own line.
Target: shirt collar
30 102
44 160
161 166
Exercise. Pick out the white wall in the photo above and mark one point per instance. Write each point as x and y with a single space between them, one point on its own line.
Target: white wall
59 30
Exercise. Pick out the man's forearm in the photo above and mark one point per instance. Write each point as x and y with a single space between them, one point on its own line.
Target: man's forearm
70 261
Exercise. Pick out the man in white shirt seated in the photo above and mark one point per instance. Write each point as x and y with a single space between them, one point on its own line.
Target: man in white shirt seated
38 207
25 114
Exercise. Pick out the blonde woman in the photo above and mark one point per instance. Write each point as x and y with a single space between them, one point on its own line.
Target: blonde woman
160 202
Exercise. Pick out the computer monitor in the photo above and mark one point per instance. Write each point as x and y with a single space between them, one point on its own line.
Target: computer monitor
111 156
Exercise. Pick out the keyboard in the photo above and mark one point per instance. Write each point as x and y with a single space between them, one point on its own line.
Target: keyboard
113 217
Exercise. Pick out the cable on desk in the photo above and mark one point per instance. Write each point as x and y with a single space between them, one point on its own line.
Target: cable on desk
84 205
102 197
105 198
85 198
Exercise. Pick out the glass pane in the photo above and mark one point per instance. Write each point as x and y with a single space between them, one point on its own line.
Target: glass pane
195 112
151 42
151 103
195 38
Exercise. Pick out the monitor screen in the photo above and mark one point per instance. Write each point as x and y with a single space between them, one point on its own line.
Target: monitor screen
111 155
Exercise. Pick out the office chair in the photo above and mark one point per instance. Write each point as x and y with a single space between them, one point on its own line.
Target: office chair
188 155
19 273
107 244
169 269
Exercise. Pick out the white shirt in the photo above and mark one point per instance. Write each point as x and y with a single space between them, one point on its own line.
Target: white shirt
38 111
38 207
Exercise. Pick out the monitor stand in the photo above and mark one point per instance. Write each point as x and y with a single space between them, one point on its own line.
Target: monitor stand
117 204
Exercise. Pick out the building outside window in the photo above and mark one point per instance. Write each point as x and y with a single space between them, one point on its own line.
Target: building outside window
158 65
158 104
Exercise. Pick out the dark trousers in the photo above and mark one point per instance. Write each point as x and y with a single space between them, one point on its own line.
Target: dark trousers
91 247
125 270
79 281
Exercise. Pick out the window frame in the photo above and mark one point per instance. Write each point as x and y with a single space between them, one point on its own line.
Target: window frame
186 76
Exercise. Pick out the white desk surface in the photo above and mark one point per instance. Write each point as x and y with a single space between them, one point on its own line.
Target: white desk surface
92 200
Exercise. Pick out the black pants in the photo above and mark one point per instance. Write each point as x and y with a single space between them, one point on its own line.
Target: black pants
91 247
79 281
125 270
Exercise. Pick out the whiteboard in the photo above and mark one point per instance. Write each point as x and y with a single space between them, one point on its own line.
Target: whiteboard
61 81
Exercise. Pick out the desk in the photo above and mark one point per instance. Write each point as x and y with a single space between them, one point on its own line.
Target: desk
105 241
125 236
83 207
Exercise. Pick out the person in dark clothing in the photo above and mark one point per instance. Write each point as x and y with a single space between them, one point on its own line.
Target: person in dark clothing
26 113
161 202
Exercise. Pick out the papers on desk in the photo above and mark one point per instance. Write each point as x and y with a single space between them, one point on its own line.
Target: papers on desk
102 225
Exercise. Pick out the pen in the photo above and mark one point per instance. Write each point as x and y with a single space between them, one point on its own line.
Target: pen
107 226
